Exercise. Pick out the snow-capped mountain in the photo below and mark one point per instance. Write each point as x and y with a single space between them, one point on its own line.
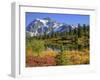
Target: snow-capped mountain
45 26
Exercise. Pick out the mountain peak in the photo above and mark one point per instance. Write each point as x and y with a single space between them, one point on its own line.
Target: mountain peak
46 25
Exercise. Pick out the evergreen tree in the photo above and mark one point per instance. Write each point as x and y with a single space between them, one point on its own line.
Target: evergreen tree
79 30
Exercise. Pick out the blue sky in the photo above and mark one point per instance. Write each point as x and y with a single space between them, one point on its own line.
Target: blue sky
72 19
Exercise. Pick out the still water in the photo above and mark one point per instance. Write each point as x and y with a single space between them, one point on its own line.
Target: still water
59 47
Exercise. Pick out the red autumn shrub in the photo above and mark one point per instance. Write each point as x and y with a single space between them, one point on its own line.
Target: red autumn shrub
50 60
33 61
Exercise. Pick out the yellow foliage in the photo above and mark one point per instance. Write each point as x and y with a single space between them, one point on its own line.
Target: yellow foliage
48 53
29 51
78 57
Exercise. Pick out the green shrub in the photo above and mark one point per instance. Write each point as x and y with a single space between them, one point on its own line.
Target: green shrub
62 59
36 45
